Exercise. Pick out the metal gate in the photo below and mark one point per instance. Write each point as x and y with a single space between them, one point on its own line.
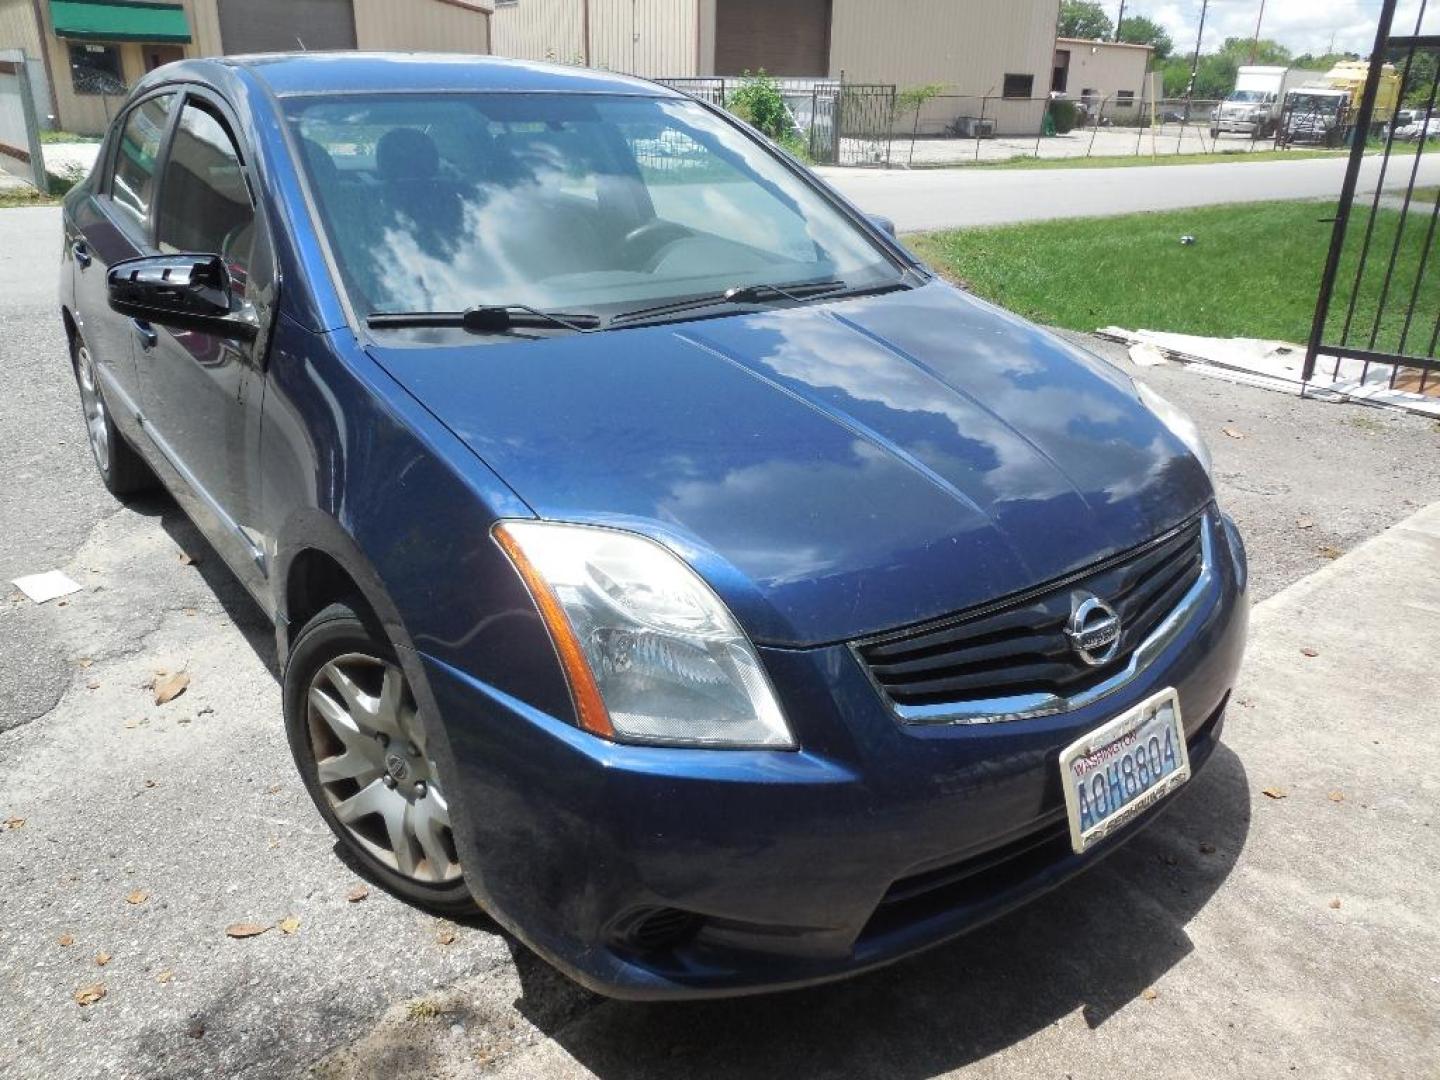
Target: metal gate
1377 319
841 123
20 153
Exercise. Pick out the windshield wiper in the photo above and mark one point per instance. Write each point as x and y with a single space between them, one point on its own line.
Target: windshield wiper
798 291
486 319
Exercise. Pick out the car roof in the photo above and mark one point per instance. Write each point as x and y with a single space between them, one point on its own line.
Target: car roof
352 72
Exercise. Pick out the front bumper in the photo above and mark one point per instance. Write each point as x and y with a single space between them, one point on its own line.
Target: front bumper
778 869
1244 127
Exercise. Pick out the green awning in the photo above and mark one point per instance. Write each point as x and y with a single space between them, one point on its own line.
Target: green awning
118 20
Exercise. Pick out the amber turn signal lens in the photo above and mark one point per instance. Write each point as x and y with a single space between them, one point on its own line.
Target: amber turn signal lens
589 705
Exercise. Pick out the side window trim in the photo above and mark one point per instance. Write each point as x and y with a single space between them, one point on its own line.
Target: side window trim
146 239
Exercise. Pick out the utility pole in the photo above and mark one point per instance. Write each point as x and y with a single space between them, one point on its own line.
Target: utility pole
1120 20
1255 44
1195 63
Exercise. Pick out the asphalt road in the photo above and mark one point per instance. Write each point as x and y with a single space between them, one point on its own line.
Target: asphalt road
956 198
195 805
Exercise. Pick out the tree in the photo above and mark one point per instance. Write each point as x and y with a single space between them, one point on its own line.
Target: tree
1084 19
1138 30
1267 52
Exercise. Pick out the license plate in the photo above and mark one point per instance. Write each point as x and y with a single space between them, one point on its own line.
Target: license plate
1123 768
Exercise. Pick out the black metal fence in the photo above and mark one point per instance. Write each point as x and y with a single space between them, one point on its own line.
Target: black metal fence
1377 318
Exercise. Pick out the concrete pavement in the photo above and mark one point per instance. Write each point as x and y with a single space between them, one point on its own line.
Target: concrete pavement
958 198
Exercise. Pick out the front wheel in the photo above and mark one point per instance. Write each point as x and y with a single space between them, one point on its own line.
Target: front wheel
122 470
361 749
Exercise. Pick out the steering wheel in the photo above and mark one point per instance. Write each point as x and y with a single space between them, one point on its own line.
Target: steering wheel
644 242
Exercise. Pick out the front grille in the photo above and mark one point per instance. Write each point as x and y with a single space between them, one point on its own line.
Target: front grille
1020 647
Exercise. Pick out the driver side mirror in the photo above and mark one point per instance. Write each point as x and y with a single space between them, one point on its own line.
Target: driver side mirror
187 292
883 223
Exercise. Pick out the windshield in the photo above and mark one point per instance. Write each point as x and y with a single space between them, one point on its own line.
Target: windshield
1315 103
1256 96
559 202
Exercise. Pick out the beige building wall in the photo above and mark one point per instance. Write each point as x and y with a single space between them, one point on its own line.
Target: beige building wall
539 30
969 46
637 37
89 114
1104 69
645 37
459 26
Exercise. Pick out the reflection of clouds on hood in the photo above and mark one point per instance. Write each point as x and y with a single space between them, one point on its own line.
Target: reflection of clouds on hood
871 489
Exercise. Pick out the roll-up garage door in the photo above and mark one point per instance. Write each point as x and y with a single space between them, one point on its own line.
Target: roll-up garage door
783 37
251 26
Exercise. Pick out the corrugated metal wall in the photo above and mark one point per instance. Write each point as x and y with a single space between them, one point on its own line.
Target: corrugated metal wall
967 44
539 30
1104 68
257 26
781 37
422 25
638 37
644 37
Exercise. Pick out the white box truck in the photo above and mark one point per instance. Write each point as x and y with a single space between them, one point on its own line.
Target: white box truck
1253 108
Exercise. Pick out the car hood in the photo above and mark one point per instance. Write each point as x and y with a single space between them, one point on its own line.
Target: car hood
833 469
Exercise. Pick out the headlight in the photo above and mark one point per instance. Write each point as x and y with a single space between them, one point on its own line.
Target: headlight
651 653
1180 425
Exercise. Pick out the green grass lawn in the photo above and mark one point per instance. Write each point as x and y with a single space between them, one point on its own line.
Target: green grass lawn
24 196
1253 271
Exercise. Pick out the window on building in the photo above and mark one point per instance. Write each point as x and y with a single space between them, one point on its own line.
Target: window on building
1019 86
1125 98
1060 73
204 205
133 183
96 69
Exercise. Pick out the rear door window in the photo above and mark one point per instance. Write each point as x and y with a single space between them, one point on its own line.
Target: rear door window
132 185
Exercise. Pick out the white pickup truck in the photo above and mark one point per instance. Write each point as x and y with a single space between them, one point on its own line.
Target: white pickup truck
1253 108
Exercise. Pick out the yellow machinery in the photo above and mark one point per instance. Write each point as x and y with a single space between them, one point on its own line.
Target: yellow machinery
1349 75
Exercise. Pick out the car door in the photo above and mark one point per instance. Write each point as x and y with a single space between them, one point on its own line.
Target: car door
201 392
110 225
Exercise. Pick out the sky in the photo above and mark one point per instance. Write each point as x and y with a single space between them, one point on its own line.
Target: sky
1302 25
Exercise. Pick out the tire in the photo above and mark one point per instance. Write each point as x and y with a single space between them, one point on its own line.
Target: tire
122 470
351 721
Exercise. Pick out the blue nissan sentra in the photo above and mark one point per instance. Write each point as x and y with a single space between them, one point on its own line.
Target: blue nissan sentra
661 557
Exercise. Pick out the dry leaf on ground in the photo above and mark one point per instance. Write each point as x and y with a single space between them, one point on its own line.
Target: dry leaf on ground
65 941
358 893
1274 792
170 687
101 959
289 924
446 936
1234 433
245 929
88 995
1335 903
85 661
1337 796
186 559
14 822
139 896
1327 551
1305 523
1309 651
165 976
1149 993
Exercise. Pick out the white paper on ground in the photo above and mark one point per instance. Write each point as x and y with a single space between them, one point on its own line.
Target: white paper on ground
46 586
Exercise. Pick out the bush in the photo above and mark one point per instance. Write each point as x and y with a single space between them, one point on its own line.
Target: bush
759 104
1065 116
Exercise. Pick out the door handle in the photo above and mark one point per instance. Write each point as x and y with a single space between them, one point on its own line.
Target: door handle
82 253
145 332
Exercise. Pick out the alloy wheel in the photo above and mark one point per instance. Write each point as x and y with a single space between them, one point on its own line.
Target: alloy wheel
97 428
372 765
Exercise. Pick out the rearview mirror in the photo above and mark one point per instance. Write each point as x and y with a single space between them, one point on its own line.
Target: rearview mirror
188 292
